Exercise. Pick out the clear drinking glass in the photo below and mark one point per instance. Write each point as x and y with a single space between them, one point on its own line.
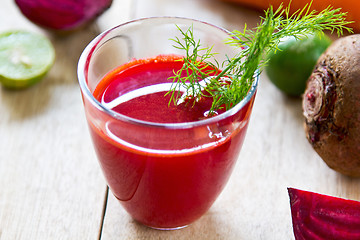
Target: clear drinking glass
165 175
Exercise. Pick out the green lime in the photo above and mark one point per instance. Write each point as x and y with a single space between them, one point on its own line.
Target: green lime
25 58
290 66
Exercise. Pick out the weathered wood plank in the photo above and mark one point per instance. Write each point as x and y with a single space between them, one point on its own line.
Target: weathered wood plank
275 155
51 186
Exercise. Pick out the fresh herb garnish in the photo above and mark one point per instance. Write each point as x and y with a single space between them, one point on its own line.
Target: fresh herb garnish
239 71
196 65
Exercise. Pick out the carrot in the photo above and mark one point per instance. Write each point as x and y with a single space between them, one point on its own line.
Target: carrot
350 6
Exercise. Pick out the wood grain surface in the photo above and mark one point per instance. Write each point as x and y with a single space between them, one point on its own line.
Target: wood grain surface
51 186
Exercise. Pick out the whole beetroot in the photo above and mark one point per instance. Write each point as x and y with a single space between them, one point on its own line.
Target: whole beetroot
62 15
331 106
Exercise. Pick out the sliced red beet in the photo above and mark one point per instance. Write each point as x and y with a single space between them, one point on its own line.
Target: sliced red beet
62 15
317 216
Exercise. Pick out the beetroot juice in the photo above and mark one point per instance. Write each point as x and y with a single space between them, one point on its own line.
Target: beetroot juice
165 162
164 177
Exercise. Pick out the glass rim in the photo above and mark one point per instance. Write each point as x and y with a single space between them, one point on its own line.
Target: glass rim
84 61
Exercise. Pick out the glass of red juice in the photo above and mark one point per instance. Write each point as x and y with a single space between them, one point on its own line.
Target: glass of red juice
165 162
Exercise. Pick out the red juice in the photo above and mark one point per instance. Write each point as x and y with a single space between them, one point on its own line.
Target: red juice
165 176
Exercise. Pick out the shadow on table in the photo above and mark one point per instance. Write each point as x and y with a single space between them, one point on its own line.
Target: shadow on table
207 227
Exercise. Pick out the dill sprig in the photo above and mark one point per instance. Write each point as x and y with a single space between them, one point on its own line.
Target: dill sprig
241 70
196 65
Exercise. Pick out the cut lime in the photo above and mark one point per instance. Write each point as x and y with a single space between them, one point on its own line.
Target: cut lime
25 58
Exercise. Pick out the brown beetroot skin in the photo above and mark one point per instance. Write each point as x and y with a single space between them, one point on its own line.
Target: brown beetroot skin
331 106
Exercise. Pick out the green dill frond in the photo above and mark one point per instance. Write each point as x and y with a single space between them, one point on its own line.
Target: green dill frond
196 66
255 44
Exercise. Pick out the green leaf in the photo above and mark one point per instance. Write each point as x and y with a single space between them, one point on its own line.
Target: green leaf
240 70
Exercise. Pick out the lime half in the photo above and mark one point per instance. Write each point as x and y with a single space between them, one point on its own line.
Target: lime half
25 58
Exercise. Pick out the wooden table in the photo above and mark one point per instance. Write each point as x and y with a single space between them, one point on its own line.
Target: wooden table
51 186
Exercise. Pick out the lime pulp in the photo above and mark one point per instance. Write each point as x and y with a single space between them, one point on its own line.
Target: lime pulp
25 58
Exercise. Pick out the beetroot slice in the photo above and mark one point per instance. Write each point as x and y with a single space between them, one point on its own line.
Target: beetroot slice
62 14
317 216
